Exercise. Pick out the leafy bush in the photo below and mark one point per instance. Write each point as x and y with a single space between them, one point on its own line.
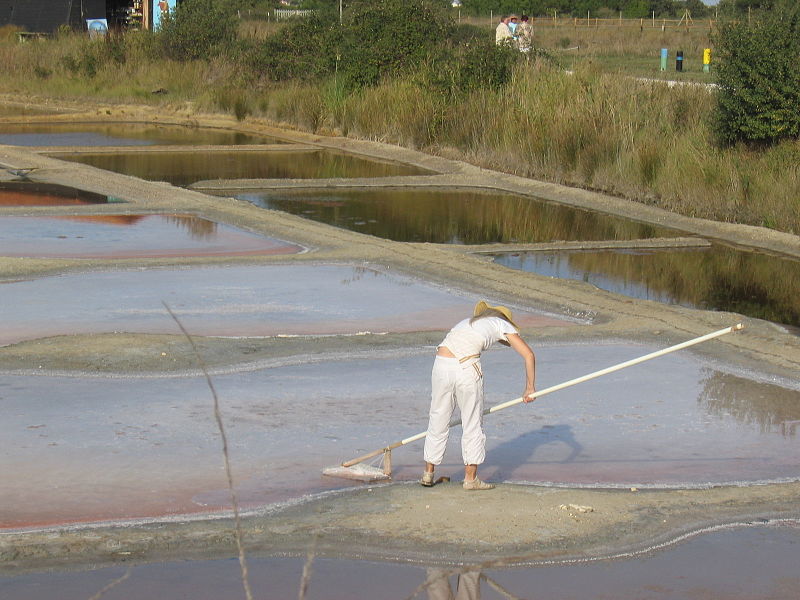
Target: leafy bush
759 78
479 64
115 48
197 29
42 72
303 49
378 38
90 55
387 37
466 34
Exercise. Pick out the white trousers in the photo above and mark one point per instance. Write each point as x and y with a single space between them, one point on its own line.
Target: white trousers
453 383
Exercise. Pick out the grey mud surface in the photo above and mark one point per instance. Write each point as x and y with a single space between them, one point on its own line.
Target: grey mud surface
440 524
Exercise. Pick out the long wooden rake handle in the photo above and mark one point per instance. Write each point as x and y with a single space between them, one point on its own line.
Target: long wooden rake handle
555 388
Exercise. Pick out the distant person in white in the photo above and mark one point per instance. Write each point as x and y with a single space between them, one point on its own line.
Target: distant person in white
503 35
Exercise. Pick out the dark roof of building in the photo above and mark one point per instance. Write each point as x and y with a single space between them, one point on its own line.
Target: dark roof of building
46 16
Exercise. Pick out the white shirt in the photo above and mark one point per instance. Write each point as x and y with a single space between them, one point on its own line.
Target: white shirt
467 339
503 34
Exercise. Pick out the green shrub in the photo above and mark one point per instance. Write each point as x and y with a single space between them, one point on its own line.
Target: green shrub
70 64
198 29
466 34
378 39
115 48
759 78
479 64
42 72
85 65
387 37
241 107
89 56
304 49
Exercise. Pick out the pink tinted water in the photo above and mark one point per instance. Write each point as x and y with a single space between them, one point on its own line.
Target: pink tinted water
130 236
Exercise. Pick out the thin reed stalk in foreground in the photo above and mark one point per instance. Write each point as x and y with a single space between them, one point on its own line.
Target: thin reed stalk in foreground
228 473
112 584
305 579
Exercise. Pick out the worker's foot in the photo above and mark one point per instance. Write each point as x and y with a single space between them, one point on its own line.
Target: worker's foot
477 484
427 479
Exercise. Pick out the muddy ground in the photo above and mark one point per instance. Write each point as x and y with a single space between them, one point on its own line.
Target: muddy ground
408 521
512 524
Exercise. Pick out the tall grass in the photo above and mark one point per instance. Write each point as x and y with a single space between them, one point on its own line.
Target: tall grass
593 128
598 130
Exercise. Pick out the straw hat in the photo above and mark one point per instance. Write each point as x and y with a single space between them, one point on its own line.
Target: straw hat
483 306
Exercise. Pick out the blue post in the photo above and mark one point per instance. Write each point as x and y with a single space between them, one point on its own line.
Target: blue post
663 59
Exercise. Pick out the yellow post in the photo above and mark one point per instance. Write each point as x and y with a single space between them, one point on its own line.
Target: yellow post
706 60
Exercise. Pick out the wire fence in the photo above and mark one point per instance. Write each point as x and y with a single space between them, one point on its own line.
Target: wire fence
282 14
590 22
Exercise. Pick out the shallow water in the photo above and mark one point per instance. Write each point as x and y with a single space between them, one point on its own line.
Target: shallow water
130 236
83 448
453 216
735 564
121 134
22 193
185 168
717 278
234 301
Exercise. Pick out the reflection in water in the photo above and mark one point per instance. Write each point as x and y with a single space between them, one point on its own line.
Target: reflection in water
753 562
86 236
28 193
453 217
121 134
185 168
198 228
716 278
467 585
772 408
118 220
360 273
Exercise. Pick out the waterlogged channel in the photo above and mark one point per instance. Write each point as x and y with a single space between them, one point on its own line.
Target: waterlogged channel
184 168
83 448
121 134
453 216
236 300
131 236
716 278
29 193
735 564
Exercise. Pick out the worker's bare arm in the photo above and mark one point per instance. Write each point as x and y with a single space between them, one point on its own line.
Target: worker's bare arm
522 348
